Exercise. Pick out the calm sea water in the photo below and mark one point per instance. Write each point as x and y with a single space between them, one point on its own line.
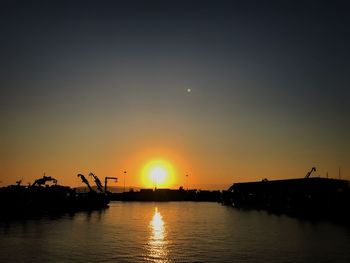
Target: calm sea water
172 232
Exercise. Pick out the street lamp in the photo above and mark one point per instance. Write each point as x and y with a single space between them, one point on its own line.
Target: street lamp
124 180
187 181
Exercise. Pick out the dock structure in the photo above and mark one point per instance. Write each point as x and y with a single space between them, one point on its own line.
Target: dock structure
304 197
160 195
40 198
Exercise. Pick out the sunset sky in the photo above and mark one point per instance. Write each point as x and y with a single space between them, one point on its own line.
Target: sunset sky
223 91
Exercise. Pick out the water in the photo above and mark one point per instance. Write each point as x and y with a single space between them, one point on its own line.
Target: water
172 232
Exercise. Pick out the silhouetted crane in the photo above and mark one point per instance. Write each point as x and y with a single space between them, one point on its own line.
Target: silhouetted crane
97 182
313 169
107 178
85 181
43 180
18 183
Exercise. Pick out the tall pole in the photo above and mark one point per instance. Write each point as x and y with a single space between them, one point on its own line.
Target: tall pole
187 182
124 180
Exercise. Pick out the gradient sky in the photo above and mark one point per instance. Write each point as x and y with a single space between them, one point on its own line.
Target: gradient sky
101 86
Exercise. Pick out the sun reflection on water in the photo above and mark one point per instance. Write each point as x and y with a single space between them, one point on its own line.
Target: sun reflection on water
157 225
157 244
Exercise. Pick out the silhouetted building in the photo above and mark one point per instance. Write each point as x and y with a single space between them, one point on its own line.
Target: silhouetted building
306 197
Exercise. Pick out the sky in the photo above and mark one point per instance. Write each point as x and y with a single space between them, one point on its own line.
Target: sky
223 91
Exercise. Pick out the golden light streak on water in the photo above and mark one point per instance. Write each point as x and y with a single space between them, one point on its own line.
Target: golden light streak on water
157 244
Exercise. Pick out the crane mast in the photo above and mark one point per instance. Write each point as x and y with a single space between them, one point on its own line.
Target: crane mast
109 178
313 169
97 182
85 181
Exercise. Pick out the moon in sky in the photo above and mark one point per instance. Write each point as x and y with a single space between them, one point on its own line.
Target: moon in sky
189 90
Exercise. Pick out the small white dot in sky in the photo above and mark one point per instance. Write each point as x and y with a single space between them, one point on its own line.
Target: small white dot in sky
188 90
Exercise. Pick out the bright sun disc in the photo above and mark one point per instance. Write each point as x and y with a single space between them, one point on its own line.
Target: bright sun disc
157 174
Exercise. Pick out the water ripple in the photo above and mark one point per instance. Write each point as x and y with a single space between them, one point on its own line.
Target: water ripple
172 232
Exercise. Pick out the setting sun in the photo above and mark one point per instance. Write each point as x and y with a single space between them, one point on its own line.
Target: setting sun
157 174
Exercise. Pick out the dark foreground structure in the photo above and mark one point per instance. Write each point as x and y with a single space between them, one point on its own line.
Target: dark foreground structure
18 200
165 195
307 197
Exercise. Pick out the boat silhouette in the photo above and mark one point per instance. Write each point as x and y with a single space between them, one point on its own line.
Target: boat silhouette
41 197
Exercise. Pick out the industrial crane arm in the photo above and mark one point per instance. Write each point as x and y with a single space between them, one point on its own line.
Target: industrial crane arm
313 169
